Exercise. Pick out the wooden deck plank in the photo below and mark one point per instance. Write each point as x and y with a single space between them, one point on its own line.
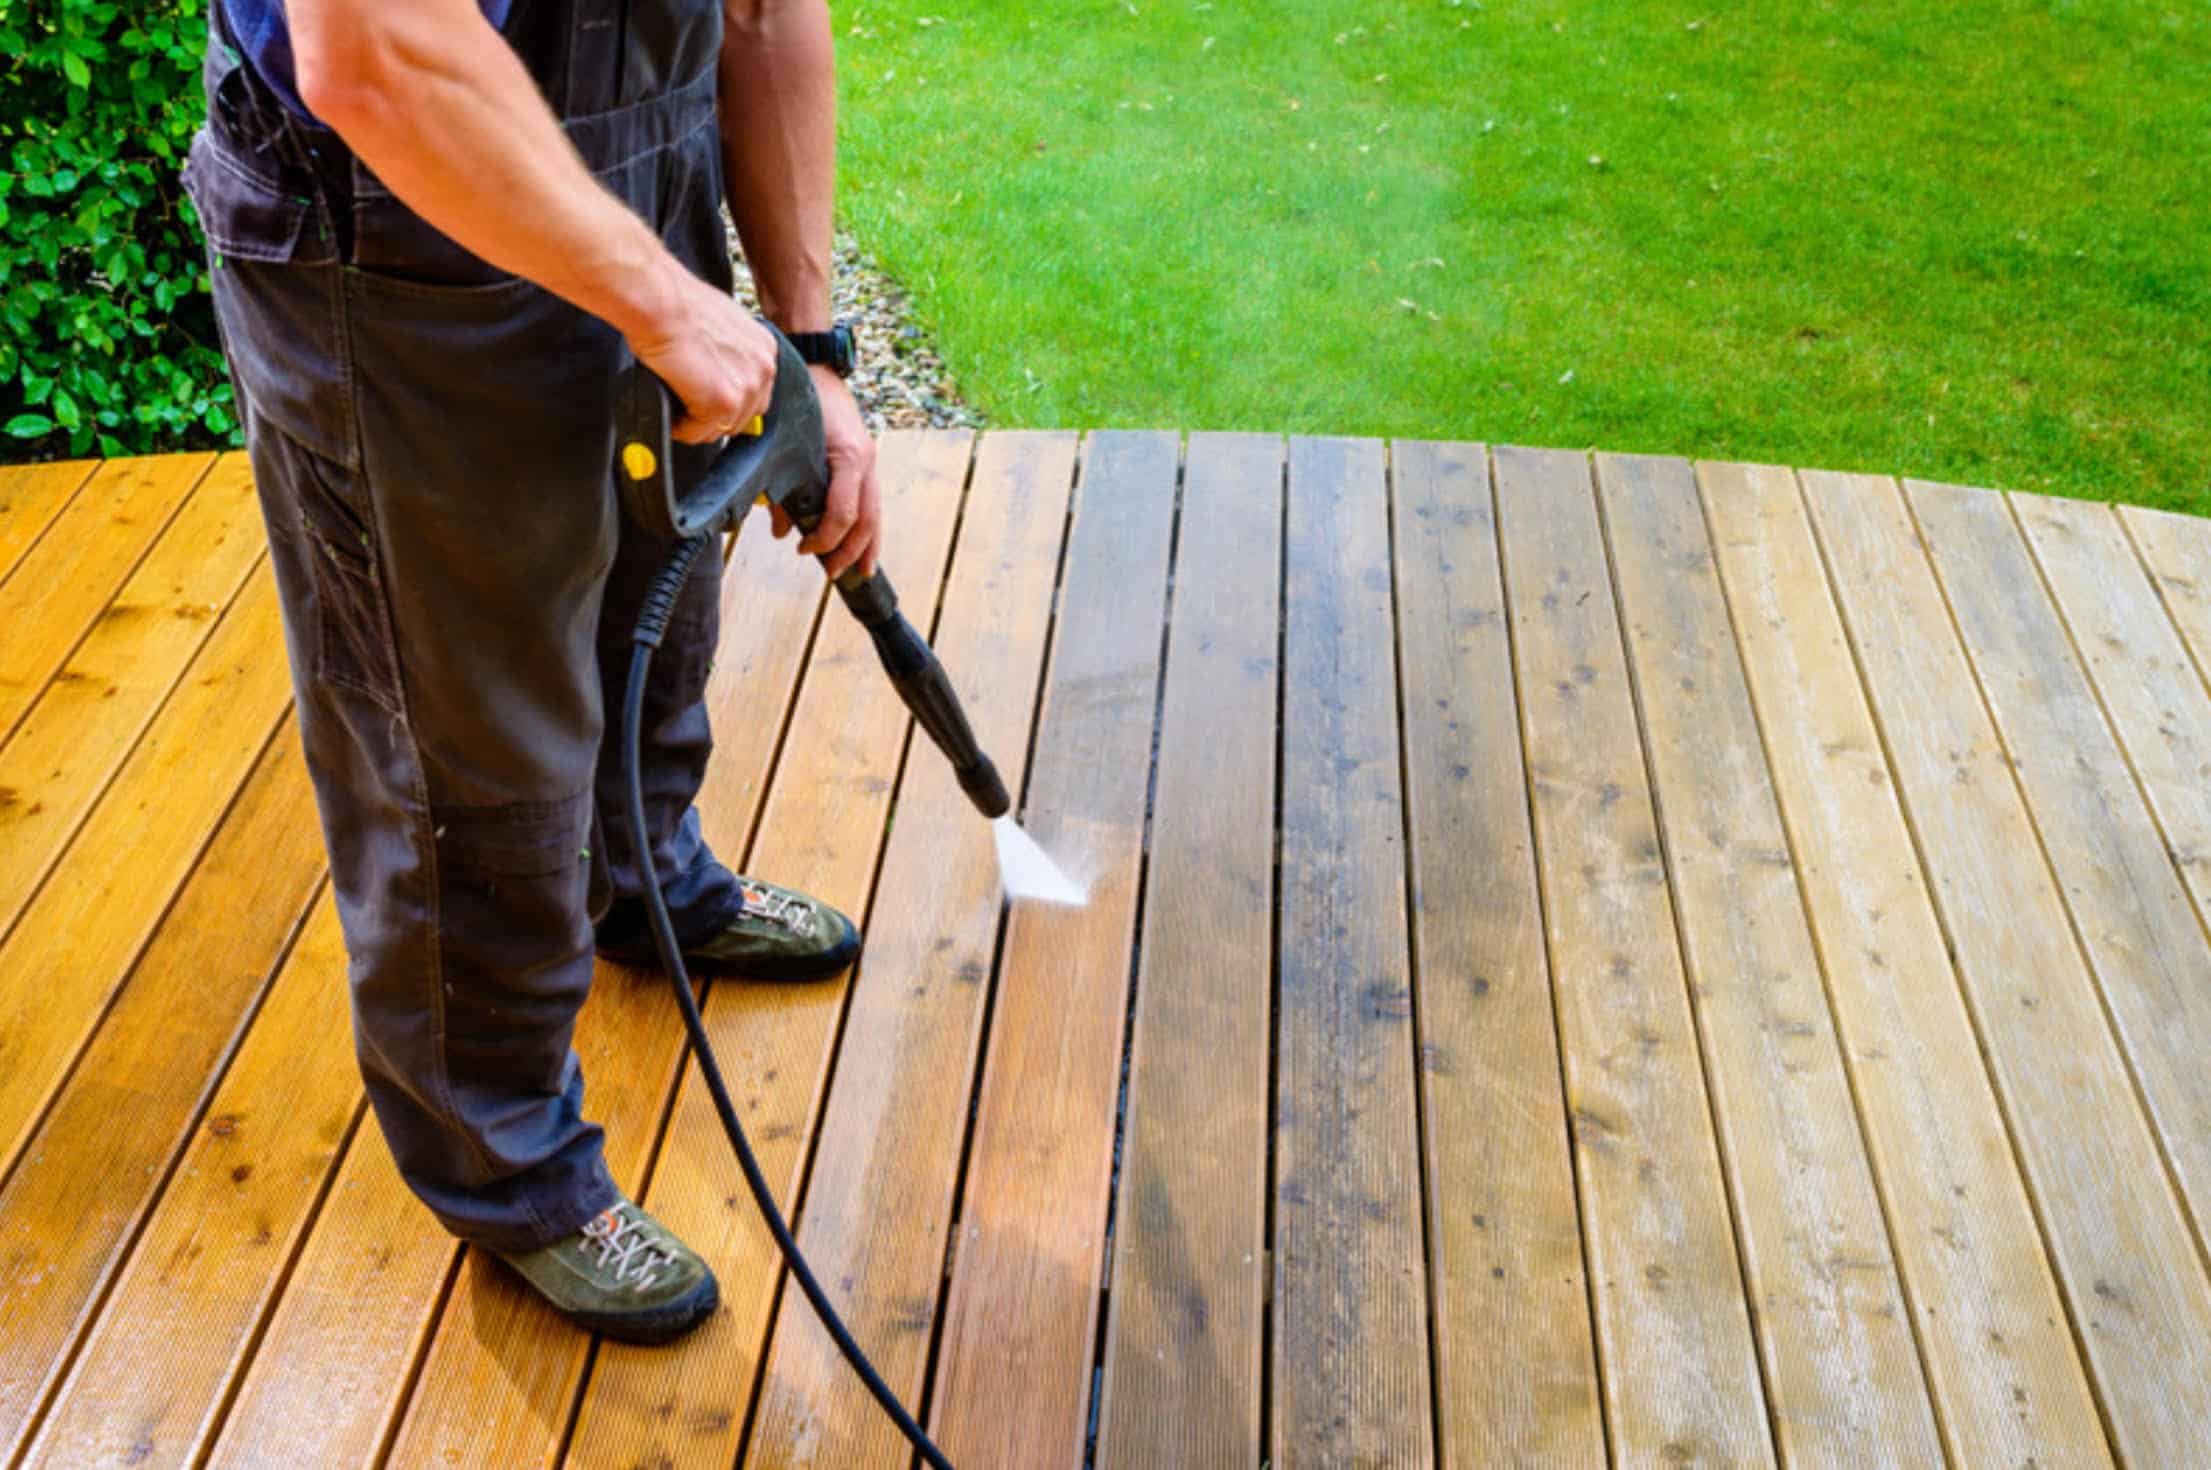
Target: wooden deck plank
502 1370
822 831
72 1206
1504 1229
151 1379
2008 1384
367 1308
2144 943
329 1377
1352 1379
89 550
1021 1308
2176 551
1681 1372
77 940
78 732
1842 1370
2140 1303
1183 1342
31 496
2141 670
878 1203
1975 725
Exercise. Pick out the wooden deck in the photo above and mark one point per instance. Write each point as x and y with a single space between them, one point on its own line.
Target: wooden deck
1585 960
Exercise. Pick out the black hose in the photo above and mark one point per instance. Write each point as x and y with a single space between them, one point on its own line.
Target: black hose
652 623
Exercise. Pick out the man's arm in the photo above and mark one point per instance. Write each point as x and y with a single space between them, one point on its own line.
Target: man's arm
433 100
779 160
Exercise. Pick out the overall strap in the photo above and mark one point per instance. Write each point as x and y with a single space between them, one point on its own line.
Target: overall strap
598 36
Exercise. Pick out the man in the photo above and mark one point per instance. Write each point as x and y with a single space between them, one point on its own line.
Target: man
440 230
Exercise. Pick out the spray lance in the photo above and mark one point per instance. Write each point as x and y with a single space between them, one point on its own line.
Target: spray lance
782 463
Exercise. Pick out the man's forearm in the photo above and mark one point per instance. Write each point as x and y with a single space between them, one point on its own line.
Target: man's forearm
779 151
440 107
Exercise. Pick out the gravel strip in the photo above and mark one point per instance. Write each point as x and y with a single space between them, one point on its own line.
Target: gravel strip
901 383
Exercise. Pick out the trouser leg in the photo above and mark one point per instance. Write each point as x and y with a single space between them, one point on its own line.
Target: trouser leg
442 593
434 465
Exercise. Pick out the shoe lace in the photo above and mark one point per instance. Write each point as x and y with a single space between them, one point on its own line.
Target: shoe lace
793 913
627 1243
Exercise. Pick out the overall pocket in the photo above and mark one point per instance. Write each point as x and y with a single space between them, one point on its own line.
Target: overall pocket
350 645
275 279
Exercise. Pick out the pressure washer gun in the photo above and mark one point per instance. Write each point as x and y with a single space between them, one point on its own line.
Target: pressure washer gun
783 463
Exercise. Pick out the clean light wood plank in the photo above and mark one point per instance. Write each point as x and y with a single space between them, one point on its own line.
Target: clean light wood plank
31 495
1020 1316
1184 1321
88 551
1842 1370
1681 1370
2007 1383
2140 1303
76 942
502 1370
329 1377
336 1368
69 1210
1504 1230
150 1380
2144 943
2140 667
72 740
1352 1380
822 831
878 1203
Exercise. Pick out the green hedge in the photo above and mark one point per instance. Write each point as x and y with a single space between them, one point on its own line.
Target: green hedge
109 343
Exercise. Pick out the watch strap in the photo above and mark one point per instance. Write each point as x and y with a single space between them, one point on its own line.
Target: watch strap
832 349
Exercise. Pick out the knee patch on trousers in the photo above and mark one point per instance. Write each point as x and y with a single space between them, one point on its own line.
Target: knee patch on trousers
516 839
513 935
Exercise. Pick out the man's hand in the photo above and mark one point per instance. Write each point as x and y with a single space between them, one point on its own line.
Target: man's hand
850 532
717 359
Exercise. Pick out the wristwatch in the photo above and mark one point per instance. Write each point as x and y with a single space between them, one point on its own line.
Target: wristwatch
832 349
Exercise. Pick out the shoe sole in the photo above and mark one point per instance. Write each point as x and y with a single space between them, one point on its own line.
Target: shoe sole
660 1324
827 965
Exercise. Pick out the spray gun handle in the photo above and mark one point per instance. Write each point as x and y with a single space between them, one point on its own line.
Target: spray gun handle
782 460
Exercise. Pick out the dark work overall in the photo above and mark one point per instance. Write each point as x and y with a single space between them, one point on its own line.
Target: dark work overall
433 444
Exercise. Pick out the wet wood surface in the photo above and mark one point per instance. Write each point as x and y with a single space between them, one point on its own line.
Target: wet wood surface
1587 960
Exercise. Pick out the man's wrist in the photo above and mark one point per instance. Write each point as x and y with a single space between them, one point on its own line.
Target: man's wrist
801 306
789 323
644 286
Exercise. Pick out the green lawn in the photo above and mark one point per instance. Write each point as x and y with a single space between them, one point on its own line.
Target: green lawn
1967 241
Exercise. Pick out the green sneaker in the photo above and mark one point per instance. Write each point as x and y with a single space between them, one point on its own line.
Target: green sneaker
625 1275
775 934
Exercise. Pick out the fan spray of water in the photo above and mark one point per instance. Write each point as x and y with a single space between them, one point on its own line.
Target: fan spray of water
1025 869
